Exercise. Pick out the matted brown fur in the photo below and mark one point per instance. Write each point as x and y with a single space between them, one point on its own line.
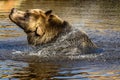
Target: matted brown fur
40 26
43 27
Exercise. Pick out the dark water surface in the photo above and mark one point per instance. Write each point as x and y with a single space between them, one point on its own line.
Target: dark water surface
99 18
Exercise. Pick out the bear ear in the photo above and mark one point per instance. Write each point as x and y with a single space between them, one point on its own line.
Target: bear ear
48 12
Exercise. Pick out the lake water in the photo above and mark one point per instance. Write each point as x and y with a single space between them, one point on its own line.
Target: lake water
99 18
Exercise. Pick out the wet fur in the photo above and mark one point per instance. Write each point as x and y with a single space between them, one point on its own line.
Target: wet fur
45 27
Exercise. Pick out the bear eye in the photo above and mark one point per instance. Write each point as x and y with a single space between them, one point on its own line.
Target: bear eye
51 16
27 15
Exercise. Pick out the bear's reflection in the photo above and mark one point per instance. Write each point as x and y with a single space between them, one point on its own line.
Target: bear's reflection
37 71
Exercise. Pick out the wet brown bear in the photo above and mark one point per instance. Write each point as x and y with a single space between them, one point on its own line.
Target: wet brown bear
43 27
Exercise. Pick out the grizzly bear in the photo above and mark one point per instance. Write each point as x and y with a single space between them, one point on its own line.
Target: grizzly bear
45 28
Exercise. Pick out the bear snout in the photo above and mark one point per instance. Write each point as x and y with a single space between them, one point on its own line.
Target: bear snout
13 10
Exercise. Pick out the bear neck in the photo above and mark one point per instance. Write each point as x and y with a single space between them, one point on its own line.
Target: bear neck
53 31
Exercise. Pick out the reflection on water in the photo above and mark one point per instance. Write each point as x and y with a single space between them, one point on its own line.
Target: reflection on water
6 5
99 18
8 68
66 71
